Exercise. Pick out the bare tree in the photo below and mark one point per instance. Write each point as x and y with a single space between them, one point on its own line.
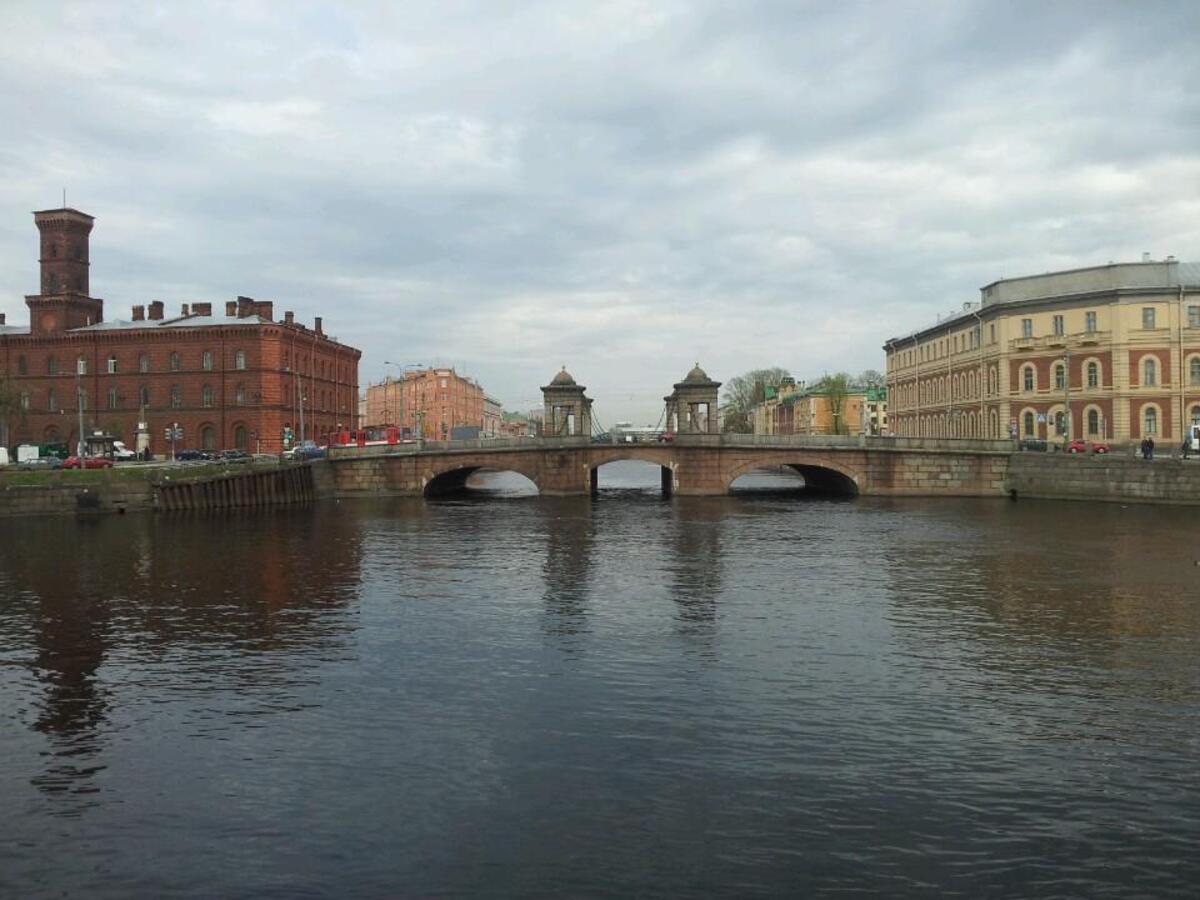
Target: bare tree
743 392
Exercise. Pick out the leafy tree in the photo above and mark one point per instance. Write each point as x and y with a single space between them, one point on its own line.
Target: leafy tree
743 392
871 378
835 388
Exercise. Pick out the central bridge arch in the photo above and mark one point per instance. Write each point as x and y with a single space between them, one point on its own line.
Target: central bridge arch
660 457
821 475
452 478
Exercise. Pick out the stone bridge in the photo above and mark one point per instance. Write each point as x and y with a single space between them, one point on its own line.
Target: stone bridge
699 464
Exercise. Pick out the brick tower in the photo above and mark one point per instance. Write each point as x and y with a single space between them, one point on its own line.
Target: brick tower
64 301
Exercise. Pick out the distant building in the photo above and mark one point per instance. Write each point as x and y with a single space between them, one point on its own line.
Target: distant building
241 379
427 402
795 408
493 412
874 411
1118 344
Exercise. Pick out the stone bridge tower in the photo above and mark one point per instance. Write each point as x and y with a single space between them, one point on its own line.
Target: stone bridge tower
693 404
568 413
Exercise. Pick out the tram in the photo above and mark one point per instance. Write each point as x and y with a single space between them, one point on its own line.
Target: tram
371 436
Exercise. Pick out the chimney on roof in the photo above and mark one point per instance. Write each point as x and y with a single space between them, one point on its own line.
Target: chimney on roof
289 318
317 325
202 309
231 308
184 311
245 307
156 310
139 313
266 310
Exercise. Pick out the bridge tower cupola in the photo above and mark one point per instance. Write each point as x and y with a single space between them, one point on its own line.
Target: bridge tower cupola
64 301
568 413
692 406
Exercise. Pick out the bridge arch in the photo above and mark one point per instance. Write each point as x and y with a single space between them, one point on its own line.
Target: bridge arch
452 477
660 456
821 474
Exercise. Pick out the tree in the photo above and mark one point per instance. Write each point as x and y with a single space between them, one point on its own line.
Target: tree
835 388
871 378
743 392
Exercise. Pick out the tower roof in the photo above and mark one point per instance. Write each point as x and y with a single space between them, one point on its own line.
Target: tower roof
563 378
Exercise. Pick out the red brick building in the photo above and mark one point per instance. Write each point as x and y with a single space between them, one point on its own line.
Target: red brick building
236 379
429 402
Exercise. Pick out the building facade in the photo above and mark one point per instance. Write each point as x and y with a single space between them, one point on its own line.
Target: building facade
427 403
796 408
238 380
1109 353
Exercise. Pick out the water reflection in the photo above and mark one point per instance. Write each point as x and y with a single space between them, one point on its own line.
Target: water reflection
566 523
697 566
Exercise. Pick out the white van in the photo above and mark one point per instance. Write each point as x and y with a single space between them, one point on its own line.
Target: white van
1194 434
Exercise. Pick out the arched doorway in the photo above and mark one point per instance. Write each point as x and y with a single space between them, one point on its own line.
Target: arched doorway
241 437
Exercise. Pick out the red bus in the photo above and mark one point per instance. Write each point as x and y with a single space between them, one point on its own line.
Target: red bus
372 435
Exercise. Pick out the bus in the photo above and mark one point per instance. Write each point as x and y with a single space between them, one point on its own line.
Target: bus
370 436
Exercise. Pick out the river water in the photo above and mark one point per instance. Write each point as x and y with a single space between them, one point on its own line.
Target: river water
507 695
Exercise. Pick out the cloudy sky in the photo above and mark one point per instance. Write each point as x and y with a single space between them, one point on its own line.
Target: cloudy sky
624 187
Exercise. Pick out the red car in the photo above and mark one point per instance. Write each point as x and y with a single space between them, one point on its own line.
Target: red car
666 437
89 462
1078 446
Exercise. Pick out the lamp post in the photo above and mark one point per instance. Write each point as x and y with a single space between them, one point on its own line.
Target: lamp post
1066 397
79 364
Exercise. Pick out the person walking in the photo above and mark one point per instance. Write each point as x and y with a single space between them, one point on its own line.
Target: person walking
1150 447
1145 448
1186 449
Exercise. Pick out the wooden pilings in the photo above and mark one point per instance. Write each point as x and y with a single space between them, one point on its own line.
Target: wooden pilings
275 487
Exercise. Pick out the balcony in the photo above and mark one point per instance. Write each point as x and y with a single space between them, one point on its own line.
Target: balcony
1060 341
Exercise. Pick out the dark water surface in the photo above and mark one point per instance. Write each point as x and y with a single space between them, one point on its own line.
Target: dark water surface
759 695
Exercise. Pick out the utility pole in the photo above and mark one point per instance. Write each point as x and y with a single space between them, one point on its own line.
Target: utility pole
79 364
1066 396
300 396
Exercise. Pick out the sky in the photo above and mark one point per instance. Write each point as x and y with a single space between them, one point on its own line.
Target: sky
624 188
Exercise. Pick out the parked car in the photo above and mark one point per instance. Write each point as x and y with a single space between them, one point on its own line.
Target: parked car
235 456
41 462
666 437
121 452
88 462
1082 446
189 455
1034 445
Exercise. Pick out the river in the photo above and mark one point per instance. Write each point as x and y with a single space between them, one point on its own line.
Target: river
506 695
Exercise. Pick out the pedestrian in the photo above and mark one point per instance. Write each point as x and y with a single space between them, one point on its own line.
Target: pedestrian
1150 447
1145 448
1186 449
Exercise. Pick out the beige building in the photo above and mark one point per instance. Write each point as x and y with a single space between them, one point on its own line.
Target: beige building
797 409
1104 353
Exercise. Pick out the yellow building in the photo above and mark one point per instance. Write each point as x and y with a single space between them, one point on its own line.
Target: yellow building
1104 353
797 409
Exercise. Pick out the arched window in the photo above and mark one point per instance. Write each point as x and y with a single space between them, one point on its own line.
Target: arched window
112 364
208 438
1196 415
1149 372
51 401
81 365
1194 370
1060 376
239 395
239 360
22 366
206 395
240 438
1149 420
1027 378
143 363
144 396
114 401
174 362
51 365
176 396
206 361
1029 423
1060 423
1093 420
1093 375
24 399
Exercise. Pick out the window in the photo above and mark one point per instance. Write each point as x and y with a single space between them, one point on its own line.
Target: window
1149 373
113 400
206 395
143 363
1060 376
1150 420
206 361
51 365
992 333
112 364
144 396
174 362
1196 415
176 397
239 359
1093 375
1089 322
1059 327
22 366
1029 423
1027 328
1027 375
51 401
1060 423
239 395
208 438
1193 317
1148 317
81 365
1093 420
24 399
240 437
1194 370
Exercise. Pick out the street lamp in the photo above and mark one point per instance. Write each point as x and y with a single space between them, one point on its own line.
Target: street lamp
79 366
